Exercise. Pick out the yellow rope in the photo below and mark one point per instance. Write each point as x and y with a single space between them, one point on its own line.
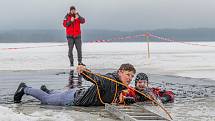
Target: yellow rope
96 87
99 95
153 100
115 94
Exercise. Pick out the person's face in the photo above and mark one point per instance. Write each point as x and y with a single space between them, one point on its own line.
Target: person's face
141 84
73 11
126 76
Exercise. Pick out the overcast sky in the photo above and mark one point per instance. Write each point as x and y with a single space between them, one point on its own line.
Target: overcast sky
109 14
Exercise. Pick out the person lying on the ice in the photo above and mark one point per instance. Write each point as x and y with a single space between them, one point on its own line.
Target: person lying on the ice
141 84
102 91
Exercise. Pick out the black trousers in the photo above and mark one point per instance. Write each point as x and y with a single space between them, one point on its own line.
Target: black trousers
78 44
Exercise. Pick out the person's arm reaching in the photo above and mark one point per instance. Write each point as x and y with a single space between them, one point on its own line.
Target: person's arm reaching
87 75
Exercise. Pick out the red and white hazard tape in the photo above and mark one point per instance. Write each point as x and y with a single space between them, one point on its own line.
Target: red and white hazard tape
99 41
116 38
171 40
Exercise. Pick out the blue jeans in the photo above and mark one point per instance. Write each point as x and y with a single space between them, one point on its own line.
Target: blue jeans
65 98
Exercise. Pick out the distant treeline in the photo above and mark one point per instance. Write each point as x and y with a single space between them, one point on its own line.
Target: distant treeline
15 36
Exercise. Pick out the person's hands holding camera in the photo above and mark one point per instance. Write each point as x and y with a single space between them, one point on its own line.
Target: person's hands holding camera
76 15
72 19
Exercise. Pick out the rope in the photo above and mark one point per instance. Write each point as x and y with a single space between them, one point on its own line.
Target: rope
153 100
116 38
170 40
97 87
114 98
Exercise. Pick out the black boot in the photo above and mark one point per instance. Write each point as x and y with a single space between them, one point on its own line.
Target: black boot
19 93
44 88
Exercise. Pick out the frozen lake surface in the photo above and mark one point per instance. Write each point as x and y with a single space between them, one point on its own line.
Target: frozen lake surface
166 58
185 69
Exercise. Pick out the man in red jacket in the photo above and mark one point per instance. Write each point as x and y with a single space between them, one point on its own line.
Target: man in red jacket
72 23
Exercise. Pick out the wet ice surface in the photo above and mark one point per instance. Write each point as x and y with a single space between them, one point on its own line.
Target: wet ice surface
187 70
31 109
195 98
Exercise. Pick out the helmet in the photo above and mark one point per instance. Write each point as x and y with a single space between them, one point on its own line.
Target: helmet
141 76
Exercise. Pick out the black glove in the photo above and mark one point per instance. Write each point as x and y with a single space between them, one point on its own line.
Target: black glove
165 98
129 100
141 98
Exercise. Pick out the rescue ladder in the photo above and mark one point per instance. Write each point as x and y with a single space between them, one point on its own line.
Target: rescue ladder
133 113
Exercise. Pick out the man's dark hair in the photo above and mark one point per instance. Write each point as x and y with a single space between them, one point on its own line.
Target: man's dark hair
127 67
72 8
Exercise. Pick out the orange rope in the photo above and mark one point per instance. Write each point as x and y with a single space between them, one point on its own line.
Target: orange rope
153 100
97 87
115 94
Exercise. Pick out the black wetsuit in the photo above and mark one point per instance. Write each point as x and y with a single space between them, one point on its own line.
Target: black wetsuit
107 88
